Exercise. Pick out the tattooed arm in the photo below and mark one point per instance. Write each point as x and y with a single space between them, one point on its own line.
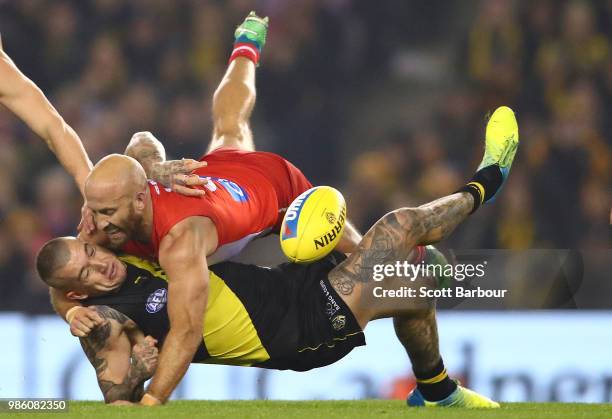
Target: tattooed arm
174 174
120 368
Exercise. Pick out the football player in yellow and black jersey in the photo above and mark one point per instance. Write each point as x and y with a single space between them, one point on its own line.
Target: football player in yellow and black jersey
290 317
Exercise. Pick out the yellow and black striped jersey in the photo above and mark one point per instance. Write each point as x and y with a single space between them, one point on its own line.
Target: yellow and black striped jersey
287 317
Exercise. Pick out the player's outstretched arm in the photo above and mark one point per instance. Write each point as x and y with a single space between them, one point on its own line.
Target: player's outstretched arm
182 255
121 368
27 101
234 99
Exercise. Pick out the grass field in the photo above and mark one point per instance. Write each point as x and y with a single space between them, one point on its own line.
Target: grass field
331 410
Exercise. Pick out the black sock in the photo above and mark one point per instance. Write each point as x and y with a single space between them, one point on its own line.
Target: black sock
485 183
435 385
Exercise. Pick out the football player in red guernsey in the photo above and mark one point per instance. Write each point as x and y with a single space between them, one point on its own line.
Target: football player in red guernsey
246 195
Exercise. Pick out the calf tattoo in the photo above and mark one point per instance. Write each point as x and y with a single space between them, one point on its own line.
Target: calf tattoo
419 335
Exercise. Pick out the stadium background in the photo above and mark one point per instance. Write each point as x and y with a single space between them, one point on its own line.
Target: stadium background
384 100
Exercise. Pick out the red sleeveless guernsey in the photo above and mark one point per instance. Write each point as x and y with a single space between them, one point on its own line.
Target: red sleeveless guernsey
246 197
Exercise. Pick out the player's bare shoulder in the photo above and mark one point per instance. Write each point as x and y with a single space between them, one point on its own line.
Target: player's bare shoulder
195 230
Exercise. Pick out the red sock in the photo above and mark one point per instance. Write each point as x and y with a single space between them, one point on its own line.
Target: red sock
244 49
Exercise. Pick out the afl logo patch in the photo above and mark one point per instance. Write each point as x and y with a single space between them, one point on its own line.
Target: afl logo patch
157 300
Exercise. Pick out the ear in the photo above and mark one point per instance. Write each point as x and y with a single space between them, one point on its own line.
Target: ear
141 201
73 295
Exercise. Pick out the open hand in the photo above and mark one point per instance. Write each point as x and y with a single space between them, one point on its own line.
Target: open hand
87 225
176 175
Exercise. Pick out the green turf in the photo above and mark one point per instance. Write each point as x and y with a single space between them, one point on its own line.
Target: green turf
329 410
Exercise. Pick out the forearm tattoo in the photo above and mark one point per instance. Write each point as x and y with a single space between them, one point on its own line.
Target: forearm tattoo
111 314
164 172
148 159
132 387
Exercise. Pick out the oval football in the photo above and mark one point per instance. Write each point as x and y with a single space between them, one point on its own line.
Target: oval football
313 224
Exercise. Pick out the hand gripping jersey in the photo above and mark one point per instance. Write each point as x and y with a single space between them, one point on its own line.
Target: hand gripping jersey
246 197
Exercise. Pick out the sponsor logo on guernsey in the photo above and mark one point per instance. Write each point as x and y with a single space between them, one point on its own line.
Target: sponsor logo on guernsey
330 236
293 215
157 300
338 322
331 306
236 191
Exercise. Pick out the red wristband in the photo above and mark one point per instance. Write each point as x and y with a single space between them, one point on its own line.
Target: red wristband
247 50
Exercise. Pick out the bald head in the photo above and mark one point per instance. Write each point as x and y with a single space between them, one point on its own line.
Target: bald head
116 192
115 175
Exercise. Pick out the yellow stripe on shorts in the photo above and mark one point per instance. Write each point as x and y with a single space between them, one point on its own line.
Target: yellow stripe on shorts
229 334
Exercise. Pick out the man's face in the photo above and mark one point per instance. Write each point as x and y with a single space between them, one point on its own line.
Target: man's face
116 217
91 270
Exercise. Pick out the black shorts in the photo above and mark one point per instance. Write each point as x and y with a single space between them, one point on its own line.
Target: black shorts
299 317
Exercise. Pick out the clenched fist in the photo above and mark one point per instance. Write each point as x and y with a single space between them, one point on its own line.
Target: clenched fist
144 357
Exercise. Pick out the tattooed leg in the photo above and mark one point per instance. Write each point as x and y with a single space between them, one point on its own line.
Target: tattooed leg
419 336
392 239
443 215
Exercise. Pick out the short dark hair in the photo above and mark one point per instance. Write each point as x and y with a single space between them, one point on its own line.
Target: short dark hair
53 256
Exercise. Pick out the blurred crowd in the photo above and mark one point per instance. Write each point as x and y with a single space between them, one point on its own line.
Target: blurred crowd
114 67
